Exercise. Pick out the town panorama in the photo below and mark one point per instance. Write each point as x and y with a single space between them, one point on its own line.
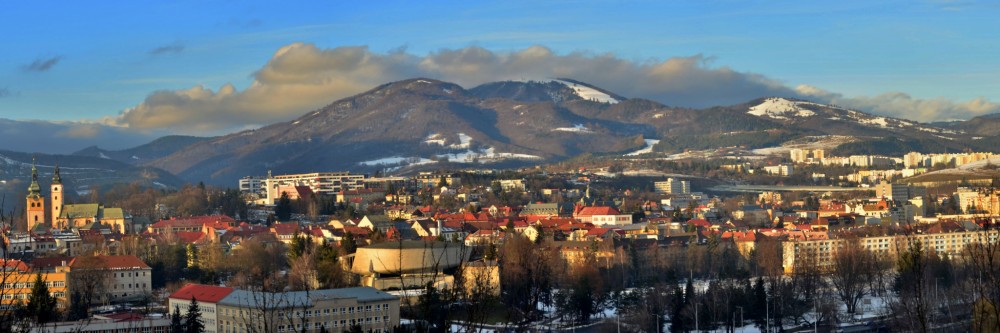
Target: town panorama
316 167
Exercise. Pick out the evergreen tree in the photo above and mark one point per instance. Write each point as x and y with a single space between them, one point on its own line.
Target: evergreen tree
348 245
689 292
298 246
192 319
676 310
41 306
176 326
283 210
757 310
77 307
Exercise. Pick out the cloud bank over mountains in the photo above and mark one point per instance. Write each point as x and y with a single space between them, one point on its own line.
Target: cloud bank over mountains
301 77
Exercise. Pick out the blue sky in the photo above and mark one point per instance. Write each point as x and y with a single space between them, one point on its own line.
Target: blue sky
90 61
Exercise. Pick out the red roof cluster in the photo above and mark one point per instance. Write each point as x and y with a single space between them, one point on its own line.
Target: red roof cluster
202 293
109 262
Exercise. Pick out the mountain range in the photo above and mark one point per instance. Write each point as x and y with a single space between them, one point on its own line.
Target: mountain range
425 123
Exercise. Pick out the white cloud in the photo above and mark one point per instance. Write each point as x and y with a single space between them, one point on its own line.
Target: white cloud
301 77
901 105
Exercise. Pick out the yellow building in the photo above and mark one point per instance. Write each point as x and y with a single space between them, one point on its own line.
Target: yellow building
68 216
35 207
17 279
82 215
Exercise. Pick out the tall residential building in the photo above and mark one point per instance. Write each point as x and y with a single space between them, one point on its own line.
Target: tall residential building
229 310
798 155
819 154
913 160
252 184
322 183
672 186
899 192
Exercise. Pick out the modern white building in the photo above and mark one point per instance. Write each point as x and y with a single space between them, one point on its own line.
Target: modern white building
672 186
323 183
252 184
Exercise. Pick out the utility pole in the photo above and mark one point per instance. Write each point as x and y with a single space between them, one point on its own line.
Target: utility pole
696 317
816 321
741 318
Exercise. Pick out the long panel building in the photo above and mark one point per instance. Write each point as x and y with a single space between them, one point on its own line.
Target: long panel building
229 310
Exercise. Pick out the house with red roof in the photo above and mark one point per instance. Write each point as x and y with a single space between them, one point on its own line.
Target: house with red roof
285 232
193 223
207 297
603 215
127 277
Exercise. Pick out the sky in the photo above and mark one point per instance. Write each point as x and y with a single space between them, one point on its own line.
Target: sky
212 67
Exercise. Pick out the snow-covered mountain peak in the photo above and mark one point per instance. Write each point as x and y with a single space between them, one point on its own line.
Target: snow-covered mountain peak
780 108
588 93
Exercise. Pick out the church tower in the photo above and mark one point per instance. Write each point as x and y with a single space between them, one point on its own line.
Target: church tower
57 195
36 202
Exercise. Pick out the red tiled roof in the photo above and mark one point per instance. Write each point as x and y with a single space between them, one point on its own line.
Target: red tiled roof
357 231
215 221
202 293
598 210
285 228
49 263
109 262
597 232
189 237
17 264
700 223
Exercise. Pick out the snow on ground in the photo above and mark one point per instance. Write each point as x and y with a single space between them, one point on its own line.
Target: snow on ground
398 160
10 161
434 138
464 140
589 93
103 156
578 128
486 156
827 142
645 150
779 108
878 121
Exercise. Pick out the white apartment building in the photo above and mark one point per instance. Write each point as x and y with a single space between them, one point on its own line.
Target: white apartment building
325 183
672 186
822 252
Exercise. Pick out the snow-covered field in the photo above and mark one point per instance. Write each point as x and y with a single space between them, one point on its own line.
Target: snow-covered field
437 139
645 150
397 160
578 128
589 93
827 142
779 108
